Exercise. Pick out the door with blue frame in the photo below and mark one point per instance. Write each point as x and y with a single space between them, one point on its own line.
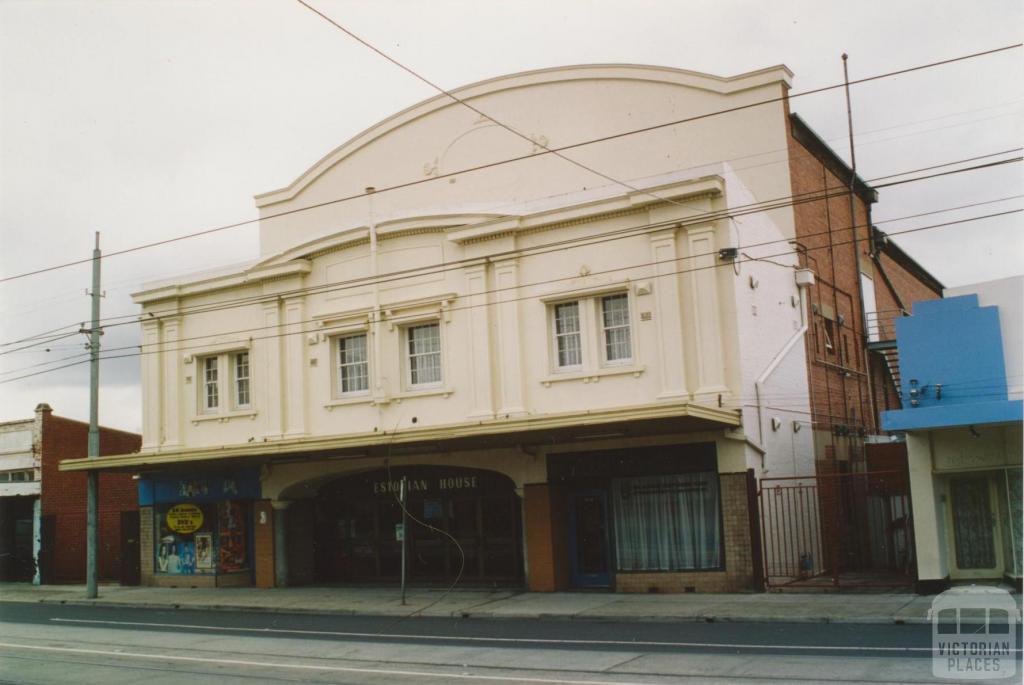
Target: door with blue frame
589 539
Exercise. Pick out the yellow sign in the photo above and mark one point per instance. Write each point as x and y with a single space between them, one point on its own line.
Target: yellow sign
185 518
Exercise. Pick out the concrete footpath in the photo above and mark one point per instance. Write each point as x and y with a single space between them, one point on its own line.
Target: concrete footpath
504 604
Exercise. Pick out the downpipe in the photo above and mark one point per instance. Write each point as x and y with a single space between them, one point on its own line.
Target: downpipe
804 279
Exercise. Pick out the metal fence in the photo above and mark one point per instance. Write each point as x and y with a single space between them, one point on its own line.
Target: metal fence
834 530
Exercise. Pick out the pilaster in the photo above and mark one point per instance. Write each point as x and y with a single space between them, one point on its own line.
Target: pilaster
509 342
668 315
703 287
479 342
152 380
294 366
270 354
172 394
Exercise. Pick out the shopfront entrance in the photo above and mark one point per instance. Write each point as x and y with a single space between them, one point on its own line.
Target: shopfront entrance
588 539
457 518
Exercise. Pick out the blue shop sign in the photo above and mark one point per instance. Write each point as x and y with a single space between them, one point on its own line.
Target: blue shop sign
200 487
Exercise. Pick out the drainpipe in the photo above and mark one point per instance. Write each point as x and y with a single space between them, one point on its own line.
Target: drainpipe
804 280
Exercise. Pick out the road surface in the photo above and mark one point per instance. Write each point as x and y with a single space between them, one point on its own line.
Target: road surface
49 643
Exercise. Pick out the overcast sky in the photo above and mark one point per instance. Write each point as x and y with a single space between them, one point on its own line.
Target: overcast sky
149 120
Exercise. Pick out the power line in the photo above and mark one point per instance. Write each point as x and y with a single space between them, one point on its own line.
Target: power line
734 212
617 234
478 111
567 294
563 148
798 156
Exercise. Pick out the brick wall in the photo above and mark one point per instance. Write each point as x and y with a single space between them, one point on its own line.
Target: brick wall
146 539
846 388
838 377
63 497
738 574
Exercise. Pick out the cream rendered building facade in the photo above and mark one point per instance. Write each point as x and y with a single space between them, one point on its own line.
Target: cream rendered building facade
573 381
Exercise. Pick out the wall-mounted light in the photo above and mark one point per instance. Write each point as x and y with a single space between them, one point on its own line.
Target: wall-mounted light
728 253
776 424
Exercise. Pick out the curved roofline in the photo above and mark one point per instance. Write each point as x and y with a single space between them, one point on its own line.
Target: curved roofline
724 85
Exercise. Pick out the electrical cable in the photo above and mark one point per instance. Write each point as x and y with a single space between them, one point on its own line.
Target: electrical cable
563 148
733 212
488 304
387 278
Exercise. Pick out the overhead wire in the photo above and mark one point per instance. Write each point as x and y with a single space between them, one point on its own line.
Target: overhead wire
567 294
728 213
552 150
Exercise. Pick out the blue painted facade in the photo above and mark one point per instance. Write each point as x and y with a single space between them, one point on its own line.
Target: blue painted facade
204 487
952 368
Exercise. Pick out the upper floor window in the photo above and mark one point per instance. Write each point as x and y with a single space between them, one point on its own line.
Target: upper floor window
353 365
615 325
211 384
242 379
592 331
235 383
423 345
567 335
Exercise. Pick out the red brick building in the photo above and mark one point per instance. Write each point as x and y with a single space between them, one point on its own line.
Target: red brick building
42 518
863 282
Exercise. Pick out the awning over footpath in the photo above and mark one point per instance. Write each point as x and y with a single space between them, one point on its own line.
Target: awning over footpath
645 420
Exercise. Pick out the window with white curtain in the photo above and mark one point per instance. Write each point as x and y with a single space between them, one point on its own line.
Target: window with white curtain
225 383
590 333
667 523
424 355
567 335
615 328
353 365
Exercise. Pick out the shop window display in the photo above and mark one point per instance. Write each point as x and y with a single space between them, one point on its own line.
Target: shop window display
202 538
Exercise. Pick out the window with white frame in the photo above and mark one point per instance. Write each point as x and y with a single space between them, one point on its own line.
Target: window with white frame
353 369
618 347
225 382
591 332
567 335
211 384
423 355
241 379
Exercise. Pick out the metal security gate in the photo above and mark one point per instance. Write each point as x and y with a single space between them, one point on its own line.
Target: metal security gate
842 530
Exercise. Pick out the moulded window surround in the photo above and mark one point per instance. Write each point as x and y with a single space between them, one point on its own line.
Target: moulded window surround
352 366
225 384
422 344
591 333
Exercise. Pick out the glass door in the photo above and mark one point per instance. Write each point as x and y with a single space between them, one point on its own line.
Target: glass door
588 539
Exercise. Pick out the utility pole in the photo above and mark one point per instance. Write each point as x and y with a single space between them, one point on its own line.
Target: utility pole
92 492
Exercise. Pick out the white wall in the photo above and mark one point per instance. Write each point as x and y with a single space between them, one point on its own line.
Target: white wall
1008 295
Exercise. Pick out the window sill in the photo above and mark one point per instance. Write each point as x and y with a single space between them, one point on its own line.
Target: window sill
593 375
223 418
443 391
365 398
